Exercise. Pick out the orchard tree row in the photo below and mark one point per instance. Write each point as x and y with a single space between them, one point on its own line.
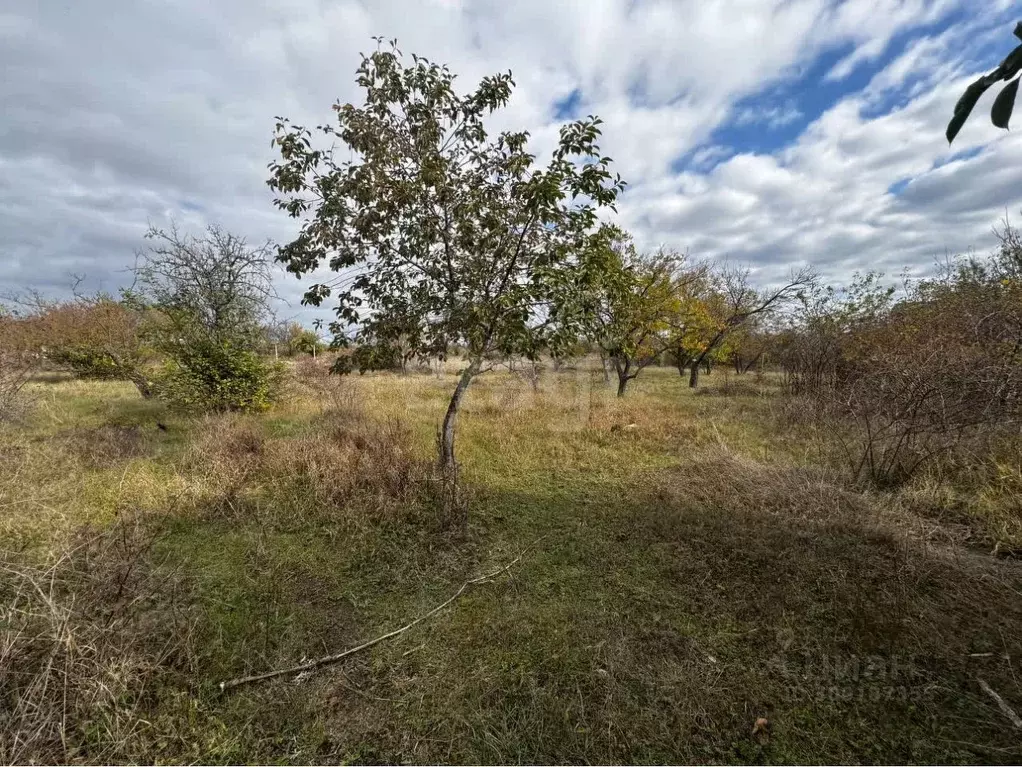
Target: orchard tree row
438 238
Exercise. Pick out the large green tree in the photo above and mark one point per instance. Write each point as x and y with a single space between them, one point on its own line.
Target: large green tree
427 218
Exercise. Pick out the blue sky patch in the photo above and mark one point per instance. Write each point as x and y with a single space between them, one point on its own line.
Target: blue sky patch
898 186
567 107
775 117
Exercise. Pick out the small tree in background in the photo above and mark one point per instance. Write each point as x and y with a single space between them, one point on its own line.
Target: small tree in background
750 348
433 221
640 305
211 295
690 337
732 303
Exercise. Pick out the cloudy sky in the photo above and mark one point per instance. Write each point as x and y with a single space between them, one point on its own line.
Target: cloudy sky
774 132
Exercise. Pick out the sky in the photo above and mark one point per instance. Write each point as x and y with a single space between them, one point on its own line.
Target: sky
774 133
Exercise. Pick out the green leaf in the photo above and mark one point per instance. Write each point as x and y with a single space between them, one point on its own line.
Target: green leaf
1001 111
965 106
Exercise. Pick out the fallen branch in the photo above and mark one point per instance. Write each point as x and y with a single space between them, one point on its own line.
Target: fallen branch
328 659
1001 704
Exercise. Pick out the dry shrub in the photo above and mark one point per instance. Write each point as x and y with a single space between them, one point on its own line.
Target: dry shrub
351 469
921 382
505 398
355 468
308 369
15 372
338 392
224 460
82 646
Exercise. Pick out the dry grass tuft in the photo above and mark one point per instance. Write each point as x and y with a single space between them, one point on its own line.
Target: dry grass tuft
346 468
352 466
734 388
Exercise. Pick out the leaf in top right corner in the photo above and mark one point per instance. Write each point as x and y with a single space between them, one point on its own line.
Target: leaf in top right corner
1004 104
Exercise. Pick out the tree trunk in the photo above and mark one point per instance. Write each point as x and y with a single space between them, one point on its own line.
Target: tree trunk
447 430
145 388
693 376
606 369
622 374
681 361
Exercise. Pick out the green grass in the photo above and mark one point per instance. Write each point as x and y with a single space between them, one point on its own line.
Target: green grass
682 578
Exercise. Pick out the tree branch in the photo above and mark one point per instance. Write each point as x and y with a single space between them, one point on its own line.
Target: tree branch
330 659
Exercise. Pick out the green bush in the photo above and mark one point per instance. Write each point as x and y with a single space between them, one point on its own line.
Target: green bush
220 377
87 362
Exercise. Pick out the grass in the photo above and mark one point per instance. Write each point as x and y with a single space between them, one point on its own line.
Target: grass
692 566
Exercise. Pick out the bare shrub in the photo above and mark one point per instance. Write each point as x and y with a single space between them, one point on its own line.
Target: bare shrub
82 644
917 382
15 371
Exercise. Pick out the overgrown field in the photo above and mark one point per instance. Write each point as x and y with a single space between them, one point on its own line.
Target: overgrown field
698 581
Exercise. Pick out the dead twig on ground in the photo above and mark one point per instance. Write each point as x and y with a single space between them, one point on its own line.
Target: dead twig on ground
329 659
1001 704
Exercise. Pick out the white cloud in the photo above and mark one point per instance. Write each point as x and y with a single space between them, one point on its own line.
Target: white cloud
772 116
159 109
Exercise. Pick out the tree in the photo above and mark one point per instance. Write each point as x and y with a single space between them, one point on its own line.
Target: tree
302 341
734 302
211 296
689 339
750 347
1004 104
639 306
215 285
436 223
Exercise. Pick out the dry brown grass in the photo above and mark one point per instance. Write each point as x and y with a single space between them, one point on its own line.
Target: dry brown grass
109 444
83 643
350 470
